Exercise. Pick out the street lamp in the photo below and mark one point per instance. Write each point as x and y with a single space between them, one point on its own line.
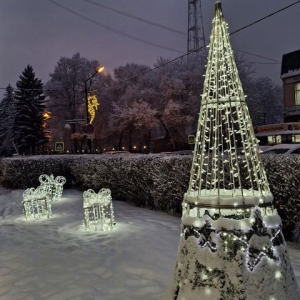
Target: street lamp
98 70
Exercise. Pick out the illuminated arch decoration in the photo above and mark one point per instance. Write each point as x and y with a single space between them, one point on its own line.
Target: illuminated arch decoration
231 245
92 106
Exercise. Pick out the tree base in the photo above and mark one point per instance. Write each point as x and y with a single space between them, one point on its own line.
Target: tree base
234 259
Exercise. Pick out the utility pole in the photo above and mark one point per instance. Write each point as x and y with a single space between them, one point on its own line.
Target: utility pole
196 37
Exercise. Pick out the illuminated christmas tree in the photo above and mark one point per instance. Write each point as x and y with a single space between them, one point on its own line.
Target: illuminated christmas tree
231 245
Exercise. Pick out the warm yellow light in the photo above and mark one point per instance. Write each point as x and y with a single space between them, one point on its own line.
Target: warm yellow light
134 147
92 106
46 115
145 147
99 69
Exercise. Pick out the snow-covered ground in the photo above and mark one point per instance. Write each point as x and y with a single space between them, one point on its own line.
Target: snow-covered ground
56 259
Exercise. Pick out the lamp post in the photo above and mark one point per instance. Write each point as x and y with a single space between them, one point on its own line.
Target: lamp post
98 70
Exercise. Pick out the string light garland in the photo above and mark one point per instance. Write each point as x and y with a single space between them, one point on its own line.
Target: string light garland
231 245
52 186
98 209
92 106
36 203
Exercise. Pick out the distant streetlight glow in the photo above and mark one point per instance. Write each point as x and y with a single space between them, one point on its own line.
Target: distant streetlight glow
99 69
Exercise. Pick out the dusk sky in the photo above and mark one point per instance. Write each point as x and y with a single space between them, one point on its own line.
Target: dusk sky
38 32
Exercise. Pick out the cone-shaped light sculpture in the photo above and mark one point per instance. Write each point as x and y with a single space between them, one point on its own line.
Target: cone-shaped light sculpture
231 245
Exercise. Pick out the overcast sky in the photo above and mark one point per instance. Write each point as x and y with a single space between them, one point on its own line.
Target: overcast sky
38 32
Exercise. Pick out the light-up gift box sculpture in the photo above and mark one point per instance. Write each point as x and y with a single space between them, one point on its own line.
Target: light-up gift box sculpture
231 244
52 186
36 203
98 209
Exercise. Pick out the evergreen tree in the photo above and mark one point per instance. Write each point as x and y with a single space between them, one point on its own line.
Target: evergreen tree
29 128
6 122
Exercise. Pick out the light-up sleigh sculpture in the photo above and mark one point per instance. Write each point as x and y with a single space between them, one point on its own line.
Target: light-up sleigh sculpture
231 244
36 203
98 209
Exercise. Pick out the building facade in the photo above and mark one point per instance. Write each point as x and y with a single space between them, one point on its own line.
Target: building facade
289 131
290 75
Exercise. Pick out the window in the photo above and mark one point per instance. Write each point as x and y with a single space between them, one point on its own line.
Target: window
297 93
278 139
296 138
274 139
271 139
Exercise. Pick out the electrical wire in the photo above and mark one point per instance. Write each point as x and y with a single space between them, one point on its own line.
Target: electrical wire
140 19
136 18
162 26
249 53
200 48
114 30
266 17
186 54
264 63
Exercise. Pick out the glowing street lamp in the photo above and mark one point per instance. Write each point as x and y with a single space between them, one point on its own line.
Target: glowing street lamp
98 70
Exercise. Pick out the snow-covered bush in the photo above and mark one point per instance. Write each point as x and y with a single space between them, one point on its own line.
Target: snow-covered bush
155 181
283 173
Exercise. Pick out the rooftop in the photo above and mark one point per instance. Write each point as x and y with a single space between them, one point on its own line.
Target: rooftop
290 62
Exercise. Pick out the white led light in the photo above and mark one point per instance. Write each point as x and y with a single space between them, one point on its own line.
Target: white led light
98 209
228 227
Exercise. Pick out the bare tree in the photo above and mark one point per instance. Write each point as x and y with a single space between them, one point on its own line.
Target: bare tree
134 122
65 93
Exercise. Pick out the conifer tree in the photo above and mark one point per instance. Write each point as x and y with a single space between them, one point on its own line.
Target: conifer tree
6 122
29 103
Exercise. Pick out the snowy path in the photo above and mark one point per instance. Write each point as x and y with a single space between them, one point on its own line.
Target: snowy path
56 259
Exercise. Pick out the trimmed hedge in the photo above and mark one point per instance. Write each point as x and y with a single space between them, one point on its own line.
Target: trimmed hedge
154 180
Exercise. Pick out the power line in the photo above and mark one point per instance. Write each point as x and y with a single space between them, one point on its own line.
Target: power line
181 56
132 37
136 18
150 22
261 19
200 48
264 57
161 26
114 30
263 63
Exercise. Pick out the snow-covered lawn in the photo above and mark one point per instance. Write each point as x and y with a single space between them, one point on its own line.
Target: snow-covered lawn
56 259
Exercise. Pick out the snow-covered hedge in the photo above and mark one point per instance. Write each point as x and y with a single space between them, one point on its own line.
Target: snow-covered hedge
156 181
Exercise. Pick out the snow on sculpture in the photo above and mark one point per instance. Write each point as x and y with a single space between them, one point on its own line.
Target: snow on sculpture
52 186
36 203
231 244
98 209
